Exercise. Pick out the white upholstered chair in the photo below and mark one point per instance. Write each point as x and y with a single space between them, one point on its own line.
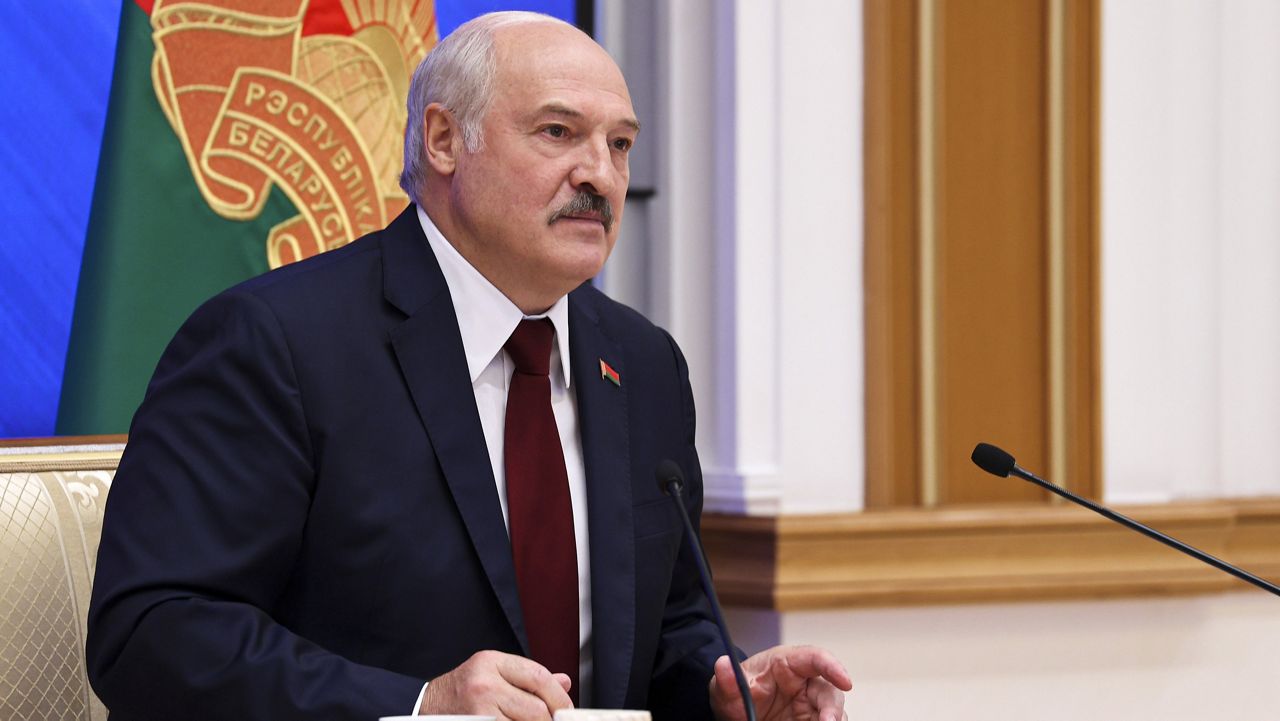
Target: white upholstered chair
51 501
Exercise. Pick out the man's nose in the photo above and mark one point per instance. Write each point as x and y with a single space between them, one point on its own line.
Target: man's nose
594 171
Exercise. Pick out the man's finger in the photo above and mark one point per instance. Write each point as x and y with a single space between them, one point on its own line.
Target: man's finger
534 678
826 699
813 662
726 698
724 684
519 705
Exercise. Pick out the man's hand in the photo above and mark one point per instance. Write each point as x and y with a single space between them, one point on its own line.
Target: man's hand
491 683
800 683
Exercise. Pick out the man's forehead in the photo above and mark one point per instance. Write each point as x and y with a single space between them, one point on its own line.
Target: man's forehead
542 50
548 33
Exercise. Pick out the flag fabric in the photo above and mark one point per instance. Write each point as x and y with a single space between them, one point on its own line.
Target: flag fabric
608 373
241 135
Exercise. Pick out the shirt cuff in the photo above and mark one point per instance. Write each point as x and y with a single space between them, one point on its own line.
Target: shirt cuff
417 706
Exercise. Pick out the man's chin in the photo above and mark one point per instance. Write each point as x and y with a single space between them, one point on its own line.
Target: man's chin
583 264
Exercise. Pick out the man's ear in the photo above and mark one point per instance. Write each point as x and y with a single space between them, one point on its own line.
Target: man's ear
441 138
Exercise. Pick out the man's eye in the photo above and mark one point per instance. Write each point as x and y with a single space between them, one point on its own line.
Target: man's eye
556 131
622 144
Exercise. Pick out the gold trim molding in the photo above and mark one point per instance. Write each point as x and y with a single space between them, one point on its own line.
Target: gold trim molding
1023 553
1057 121
930 487
64 459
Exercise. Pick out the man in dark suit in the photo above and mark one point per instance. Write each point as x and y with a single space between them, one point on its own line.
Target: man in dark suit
315 516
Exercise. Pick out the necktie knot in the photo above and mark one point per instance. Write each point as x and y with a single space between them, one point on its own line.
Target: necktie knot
530 346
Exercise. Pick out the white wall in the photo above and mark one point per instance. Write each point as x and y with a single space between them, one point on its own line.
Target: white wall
1190 248
750 251
819 256
754 262
1210 657
753 256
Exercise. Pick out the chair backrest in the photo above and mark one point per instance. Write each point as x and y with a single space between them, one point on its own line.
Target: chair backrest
51 501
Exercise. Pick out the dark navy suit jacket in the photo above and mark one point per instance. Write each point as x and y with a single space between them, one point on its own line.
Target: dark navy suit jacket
305 524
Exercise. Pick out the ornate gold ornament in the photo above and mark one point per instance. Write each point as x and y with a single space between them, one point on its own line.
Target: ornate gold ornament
255 103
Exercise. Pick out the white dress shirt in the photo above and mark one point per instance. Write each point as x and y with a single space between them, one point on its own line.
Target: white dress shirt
486 319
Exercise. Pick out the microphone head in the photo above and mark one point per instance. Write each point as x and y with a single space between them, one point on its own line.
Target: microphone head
992 460
668 471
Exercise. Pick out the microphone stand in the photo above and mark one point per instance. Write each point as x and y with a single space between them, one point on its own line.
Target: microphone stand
997 462
1148 531
671 481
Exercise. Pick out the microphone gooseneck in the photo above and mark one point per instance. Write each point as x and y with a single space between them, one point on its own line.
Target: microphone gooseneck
997 462
671 480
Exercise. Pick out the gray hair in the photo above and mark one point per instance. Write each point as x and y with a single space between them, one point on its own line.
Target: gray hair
459 75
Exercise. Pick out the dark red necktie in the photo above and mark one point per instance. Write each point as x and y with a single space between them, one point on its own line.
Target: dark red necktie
540 516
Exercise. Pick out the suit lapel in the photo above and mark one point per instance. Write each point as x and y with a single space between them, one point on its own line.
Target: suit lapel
602 419
428 347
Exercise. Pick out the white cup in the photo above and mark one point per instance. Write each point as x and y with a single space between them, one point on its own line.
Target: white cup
600 714
438 717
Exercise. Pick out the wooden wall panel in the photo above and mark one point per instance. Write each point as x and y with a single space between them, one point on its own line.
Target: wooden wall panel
1080 202
991 305
981 245
890 180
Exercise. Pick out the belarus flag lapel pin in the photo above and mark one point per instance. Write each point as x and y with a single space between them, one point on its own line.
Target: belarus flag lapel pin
608 373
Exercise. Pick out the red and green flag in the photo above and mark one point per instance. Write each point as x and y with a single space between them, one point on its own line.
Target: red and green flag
241 135
608 373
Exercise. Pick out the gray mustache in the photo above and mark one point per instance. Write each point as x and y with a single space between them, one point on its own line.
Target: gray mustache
585 202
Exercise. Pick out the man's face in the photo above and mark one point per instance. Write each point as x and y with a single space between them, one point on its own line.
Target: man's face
541 203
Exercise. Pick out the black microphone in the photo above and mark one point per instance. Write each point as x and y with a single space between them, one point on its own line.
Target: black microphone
999 463
671 481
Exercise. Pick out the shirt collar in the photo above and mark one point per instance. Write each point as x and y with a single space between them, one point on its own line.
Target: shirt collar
486 317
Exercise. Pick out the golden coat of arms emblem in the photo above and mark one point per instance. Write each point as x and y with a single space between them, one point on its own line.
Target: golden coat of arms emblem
276 92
